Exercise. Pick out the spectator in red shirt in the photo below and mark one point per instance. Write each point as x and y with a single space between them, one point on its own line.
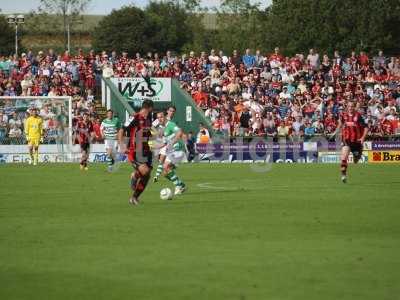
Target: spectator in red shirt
200 97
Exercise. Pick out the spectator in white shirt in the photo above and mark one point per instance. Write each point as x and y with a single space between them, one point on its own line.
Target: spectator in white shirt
313 59
108 71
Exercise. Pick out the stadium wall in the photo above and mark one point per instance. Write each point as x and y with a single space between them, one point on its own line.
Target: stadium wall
125 95
308 152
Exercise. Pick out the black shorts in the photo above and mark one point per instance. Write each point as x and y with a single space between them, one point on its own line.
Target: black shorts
355 147
85 147
138 160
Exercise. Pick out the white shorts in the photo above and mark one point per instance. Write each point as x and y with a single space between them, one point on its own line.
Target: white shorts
110 144
175 157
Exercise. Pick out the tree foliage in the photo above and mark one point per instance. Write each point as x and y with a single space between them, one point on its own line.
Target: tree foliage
6 37
240 25
293 25
161 26
297 25
126 29
69 10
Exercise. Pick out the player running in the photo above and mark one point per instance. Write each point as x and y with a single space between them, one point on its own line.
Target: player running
109 130
162 154
354 131
139 152
175 152
34 134
84 129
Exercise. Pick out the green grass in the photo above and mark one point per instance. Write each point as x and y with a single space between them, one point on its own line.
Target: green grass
295 232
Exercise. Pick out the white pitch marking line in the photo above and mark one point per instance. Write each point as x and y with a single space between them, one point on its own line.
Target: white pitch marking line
207 185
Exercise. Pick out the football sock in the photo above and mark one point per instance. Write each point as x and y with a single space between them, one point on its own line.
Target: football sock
343 166
159 170
171 176
110 160
31 155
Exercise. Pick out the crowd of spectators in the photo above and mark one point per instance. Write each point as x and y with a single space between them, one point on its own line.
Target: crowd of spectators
249 95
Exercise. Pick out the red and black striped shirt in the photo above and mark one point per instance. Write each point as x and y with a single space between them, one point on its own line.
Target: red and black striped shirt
352 126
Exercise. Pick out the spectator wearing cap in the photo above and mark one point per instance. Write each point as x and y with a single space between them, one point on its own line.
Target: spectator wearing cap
285 94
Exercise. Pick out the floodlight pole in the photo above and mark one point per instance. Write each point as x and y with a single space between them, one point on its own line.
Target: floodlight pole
68 38
16 39
15 20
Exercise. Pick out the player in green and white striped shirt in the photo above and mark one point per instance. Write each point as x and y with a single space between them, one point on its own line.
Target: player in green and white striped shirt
175 151
109 130
159 126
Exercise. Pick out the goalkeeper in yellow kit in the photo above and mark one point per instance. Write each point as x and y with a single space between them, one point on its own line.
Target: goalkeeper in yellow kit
34 134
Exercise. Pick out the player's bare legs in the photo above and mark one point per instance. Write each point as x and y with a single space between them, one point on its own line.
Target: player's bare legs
139 179
344 158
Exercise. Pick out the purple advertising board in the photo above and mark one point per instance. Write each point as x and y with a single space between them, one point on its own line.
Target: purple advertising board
386 145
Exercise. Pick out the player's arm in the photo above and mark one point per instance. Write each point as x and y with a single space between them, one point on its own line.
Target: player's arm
41 130
365 129
27 126
102 130
178 136
338 128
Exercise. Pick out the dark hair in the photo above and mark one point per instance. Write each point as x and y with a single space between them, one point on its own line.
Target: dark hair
147 104
109 110
172 106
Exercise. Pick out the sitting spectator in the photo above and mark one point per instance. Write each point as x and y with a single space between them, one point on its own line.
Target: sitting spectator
15 132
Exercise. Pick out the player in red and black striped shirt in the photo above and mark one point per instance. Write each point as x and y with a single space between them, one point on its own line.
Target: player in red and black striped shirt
354 131
139 152
84 131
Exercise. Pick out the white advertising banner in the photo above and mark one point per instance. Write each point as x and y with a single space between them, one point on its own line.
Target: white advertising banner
134 89
50 153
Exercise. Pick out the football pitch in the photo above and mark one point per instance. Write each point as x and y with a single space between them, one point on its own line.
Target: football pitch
295 232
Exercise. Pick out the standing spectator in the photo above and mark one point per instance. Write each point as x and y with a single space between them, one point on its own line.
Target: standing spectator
191 146
235 59
309 131
245 121
248 59
313 59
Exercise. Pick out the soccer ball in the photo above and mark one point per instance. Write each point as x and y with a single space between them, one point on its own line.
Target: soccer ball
166 194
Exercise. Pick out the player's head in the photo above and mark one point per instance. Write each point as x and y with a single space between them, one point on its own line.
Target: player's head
147 106
161 117
110 114
86 117
34 111
171 112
